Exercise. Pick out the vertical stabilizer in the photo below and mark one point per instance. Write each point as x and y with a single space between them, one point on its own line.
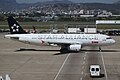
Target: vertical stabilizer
14 27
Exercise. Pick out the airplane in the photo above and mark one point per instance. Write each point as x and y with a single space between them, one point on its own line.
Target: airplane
68 42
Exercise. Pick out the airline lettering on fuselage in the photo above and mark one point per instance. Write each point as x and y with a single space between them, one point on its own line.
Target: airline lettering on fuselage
90 37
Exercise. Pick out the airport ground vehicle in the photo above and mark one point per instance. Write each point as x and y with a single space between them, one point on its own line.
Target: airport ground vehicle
95 70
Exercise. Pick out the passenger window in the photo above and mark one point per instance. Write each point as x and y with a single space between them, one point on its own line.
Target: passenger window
92 69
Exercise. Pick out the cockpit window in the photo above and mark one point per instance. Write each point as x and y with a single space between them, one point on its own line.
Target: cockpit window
108 38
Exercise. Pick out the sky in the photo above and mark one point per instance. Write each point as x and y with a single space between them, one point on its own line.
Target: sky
80 1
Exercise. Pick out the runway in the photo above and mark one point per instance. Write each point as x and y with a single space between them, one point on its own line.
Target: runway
46 63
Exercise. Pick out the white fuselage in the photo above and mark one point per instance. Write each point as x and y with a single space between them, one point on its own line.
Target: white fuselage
82 39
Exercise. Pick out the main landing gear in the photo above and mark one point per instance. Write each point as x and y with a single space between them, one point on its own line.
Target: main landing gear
64 49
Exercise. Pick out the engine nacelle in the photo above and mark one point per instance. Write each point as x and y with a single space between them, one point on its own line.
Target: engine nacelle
75 47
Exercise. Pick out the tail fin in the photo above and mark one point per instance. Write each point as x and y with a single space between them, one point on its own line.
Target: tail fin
14 27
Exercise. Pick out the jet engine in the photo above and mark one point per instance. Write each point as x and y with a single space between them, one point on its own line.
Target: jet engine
75 47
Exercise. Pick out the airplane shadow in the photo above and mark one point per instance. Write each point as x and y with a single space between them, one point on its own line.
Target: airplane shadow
61 53
99 50
23 49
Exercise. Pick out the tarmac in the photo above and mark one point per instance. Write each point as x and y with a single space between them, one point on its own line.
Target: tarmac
29 62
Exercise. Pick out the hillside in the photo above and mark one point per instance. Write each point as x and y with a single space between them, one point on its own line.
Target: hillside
11 5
